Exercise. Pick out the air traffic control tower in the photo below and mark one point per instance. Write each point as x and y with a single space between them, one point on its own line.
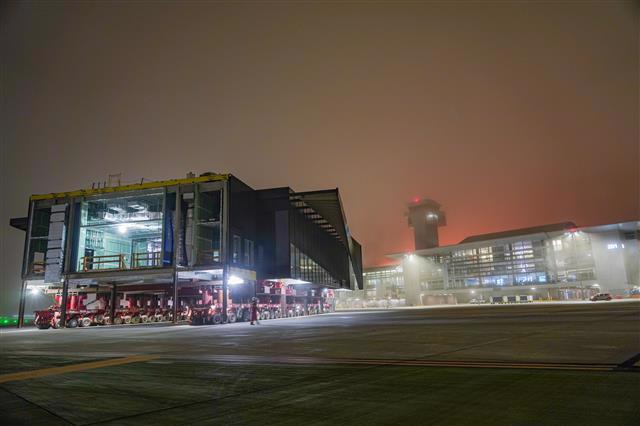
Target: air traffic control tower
425 217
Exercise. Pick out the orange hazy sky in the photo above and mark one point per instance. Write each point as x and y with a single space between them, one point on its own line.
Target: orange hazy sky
510 114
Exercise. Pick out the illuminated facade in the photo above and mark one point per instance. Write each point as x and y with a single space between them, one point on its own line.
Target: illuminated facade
385 282
167 237
549 262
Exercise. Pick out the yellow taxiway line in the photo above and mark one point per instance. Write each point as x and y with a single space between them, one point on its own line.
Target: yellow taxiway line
24 375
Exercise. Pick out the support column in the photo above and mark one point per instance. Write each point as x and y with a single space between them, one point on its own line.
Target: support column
23 298
176 249
63 302
225 221
283 300
68 244
175 295
114 297
411 273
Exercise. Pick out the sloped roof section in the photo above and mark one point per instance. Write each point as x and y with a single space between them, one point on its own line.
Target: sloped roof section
554 227
328 205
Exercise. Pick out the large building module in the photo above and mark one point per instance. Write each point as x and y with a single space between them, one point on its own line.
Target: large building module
169 250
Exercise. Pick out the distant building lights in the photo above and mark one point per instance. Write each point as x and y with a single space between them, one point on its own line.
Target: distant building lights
612 246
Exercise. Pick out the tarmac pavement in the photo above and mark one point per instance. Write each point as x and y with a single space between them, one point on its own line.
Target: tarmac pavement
535 364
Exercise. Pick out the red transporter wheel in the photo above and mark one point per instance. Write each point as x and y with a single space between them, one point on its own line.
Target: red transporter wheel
44 319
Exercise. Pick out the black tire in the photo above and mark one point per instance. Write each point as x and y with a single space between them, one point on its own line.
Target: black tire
231 317
72 323
43 326
246 315
217 319
117 320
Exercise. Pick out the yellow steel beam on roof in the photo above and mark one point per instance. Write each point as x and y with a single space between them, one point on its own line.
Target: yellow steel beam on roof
132 187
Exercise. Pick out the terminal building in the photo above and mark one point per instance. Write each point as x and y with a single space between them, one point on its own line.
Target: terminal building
557 262
177 244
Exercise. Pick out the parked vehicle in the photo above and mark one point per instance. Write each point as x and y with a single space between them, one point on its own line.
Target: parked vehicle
600 296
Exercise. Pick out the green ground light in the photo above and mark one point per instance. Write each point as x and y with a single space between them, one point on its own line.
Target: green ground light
11 321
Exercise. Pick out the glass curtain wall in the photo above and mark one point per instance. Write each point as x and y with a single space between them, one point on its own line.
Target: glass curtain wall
207 230
304 268
570 257
518 263
120 232
38 239
315 255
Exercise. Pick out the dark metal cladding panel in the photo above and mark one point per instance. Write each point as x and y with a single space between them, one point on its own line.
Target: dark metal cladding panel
19 223
356 257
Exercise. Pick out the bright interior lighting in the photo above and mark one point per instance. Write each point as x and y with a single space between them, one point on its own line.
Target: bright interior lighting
235 280
34 291
122 228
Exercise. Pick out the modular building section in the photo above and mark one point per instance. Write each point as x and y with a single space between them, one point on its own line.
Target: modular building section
199 248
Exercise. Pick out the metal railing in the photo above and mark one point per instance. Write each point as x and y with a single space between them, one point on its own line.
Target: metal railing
112 261
120 261
145 260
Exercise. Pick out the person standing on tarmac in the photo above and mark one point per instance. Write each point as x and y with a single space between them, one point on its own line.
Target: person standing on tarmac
254 311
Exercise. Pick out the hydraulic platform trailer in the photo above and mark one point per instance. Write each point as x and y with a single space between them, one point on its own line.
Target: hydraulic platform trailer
198 249
198 305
